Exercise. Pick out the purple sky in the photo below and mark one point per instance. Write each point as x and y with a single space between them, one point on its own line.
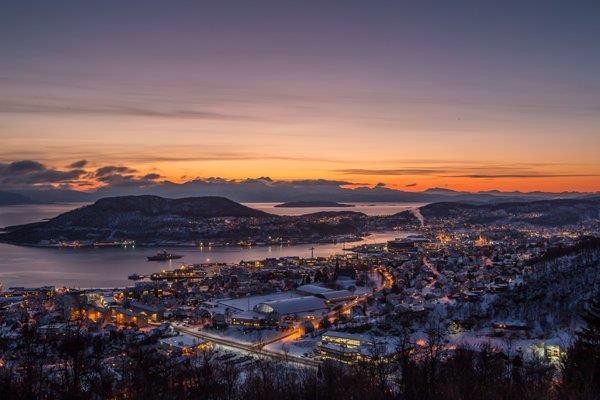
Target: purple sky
502 94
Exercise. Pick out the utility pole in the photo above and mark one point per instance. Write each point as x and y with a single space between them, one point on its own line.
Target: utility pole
312 252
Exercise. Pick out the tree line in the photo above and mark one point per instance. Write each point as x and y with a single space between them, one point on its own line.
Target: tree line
75 364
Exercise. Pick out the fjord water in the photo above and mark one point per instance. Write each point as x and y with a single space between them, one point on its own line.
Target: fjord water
366 208
110 267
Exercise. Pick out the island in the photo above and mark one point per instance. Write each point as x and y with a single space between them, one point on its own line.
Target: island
217 221
303 204
194 221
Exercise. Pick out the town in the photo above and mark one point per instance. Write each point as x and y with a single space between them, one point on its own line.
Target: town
464 285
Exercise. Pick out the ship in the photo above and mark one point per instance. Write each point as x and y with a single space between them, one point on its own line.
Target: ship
163 256
136 277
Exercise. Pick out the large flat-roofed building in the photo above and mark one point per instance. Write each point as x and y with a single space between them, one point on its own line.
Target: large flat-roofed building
345 283
247 303
312 289
345 339
249 319
345 347
296 306
336 296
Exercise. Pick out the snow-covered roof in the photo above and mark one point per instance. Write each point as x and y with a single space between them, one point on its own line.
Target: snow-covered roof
313 289
336 295
346 335
182 341
248 315
143 307
345 282
291 306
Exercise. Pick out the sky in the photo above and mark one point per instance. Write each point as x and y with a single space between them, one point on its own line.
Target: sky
467 95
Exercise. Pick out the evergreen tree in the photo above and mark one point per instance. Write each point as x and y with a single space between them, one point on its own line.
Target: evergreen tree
581 366
590 334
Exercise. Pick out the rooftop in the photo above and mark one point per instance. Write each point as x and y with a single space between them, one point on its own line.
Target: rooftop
291 306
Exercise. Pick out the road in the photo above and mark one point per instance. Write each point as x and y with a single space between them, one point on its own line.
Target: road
258 349
252 349
277 338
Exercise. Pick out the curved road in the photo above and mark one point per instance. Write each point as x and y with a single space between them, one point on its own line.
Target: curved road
258 349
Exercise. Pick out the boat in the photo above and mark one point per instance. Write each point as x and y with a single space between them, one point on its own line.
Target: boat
136 277
164 256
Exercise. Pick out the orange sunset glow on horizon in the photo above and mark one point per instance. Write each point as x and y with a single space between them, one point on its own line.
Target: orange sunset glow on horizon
413 98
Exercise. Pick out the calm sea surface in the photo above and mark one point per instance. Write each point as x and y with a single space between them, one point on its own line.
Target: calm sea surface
29 266
367 208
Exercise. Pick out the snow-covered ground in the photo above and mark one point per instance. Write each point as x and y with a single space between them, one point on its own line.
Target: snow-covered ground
297 347
244 336
527 347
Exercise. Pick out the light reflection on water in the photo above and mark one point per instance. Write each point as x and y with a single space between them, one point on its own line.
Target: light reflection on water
109 267
366 208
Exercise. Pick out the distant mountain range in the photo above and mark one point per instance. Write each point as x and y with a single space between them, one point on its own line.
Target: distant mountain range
44 196
9 199
268 190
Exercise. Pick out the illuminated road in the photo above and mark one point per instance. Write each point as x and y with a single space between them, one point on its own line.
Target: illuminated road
277 338
253 349
258 349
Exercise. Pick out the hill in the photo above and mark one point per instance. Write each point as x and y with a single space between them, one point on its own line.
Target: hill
145 218
559 212
9 199
200 207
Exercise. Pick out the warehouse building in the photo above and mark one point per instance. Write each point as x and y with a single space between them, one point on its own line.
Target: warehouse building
313 290
336 296
299 307
344 347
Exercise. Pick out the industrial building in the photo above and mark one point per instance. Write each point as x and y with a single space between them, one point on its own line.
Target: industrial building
336 296
345 347
312 289
300 306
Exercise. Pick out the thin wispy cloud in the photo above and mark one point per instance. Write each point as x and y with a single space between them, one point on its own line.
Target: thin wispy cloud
473 171
524 175
118 110
437 170
190 153
391 172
